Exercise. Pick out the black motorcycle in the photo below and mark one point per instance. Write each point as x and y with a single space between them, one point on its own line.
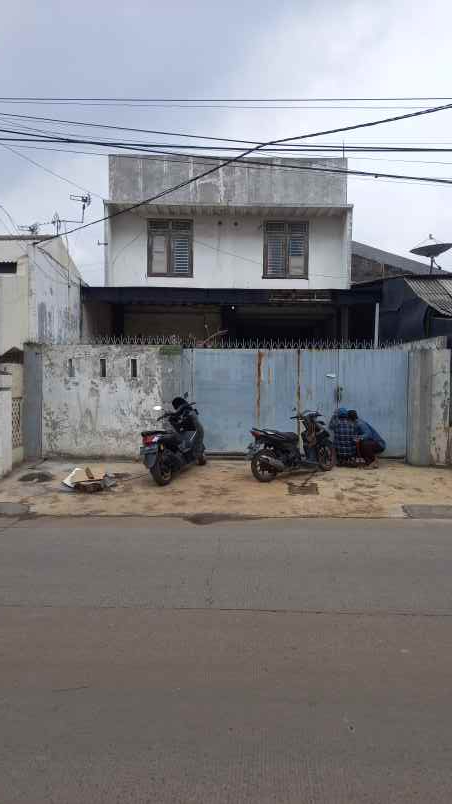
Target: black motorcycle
166 452
273 451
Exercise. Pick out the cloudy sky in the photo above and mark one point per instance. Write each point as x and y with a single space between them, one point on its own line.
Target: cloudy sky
290 49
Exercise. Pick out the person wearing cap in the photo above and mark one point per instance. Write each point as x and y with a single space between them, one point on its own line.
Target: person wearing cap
369 443
344 437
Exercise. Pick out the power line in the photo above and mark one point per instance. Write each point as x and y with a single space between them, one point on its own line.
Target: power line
258 147
296 149
359 158
127 128
50 99
51 172
395 178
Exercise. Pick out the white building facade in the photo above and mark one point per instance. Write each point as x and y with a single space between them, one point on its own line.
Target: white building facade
246 226
259 248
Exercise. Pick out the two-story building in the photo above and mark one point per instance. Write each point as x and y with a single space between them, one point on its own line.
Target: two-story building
252 250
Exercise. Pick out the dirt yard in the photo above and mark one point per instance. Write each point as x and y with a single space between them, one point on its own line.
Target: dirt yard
227 489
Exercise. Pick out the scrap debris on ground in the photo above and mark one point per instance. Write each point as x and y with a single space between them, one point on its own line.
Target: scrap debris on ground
89 481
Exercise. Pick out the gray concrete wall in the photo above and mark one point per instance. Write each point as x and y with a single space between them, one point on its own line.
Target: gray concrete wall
54 295
87 415
134 178
41 302
32 407
6 453
429 387
439 342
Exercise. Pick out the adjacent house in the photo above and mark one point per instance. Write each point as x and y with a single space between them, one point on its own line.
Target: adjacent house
39 293
252 250
39 303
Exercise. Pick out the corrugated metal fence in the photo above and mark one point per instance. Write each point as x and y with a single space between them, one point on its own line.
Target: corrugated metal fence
238 388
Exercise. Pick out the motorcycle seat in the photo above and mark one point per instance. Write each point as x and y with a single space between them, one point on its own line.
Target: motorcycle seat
281 434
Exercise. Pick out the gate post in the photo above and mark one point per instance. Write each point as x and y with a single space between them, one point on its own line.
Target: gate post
6 440
429 387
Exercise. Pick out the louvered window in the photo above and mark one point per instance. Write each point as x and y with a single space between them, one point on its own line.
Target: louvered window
170 248
286 249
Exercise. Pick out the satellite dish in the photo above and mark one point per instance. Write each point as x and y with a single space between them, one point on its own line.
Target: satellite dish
431 248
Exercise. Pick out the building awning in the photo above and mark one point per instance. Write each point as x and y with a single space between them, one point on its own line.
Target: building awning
434 291
232 210
163 295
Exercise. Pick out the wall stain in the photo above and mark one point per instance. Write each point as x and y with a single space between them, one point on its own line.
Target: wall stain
259 368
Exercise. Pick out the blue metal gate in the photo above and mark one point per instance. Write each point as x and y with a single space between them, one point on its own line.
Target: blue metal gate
238 388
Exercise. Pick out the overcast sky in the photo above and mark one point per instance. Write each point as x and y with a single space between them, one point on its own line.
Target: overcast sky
239 49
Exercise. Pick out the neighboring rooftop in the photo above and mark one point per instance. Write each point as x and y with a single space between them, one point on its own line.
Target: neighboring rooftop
370 263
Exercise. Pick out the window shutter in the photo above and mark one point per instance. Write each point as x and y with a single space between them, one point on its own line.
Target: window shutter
158 227
298 249
276 241
181 226
181 247
180 255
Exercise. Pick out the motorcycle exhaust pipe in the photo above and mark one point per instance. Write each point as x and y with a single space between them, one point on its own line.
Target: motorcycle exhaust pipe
278 465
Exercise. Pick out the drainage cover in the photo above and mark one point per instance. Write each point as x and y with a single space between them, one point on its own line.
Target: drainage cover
13 509
428 511
309 488
36 477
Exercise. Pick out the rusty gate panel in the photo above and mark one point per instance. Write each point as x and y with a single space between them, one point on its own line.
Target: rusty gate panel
236 389
276 388
224 387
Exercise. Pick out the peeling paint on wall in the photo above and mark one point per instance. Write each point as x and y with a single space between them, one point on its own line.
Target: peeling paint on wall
92 415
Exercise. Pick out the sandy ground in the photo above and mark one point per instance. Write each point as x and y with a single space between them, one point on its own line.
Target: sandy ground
227 488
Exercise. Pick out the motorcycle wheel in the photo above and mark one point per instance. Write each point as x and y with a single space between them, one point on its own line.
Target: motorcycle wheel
325 458
162 473
201 459
261 470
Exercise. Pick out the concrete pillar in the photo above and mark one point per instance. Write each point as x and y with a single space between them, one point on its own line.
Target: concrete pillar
6 441
344 323
429 388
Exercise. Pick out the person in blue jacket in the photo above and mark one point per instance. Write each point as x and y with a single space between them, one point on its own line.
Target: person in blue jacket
369 443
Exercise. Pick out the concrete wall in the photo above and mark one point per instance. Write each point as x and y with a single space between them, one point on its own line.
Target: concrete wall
41 302
133 178
227 255
429 387
54 293
86 415
6 454
14 328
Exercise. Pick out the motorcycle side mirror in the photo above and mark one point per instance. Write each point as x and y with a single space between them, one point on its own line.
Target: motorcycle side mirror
186 395
157 407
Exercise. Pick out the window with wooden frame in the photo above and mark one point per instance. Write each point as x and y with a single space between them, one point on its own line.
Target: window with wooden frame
170 248
286 248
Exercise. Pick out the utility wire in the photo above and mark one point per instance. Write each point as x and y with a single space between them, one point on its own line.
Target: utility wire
249 151
50 99
127 128
186 161
47 132
51 172
143 146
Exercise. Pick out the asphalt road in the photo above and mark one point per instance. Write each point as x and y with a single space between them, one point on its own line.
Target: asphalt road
275 661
